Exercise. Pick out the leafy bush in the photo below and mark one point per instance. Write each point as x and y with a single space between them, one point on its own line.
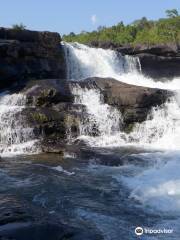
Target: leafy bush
18 27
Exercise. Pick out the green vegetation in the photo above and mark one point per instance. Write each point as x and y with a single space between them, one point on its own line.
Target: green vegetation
143 31
18 27
39 117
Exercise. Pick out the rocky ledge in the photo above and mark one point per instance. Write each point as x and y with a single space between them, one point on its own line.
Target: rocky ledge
28 54
157 61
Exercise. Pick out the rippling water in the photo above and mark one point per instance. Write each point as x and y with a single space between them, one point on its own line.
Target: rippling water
110 191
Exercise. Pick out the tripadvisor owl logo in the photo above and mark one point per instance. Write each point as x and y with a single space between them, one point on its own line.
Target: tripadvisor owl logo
139 231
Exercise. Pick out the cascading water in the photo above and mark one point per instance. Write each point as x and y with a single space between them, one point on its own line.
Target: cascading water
158 187
101 116
15 136
161 129
83 62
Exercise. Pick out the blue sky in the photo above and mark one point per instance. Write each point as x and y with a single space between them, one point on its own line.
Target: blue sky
66 16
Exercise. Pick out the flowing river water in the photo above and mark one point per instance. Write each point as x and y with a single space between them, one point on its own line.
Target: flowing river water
116 181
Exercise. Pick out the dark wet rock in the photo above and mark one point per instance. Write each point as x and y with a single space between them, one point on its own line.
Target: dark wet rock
28 54
159 66
52 125
134 102
51 113
165 50
47 92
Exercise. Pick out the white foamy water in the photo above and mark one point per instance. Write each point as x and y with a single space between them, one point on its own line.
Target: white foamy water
158 186
161 129
101 117
60 169
15 136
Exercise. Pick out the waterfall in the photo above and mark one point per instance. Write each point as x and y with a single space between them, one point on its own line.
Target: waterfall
84 62
161 129
15 136
162 124
101 117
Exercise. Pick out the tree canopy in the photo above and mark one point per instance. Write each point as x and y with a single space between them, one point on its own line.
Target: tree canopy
141 31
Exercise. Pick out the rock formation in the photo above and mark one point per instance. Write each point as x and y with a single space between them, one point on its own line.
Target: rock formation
28 54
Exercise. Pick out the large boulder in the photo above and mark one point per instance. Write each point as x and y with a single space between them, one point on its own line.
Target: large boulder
28 54
46 92
159 61
159 67
134 102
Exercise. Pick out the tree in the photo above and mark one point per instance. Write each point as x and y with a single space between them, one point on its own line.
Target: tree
172 13
120 24
19 27
101 28
72 34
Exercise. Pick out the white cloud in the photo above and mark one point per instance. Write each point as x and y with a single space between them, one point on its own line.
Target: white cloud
94 19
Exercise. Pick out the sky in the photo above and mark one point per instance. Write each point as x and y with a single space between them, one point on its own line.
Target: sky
65 16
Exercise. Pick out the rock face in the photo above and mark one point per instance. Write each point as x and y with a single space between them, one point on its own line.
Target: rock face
157 61
159 66
134 102
28 54
51 113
